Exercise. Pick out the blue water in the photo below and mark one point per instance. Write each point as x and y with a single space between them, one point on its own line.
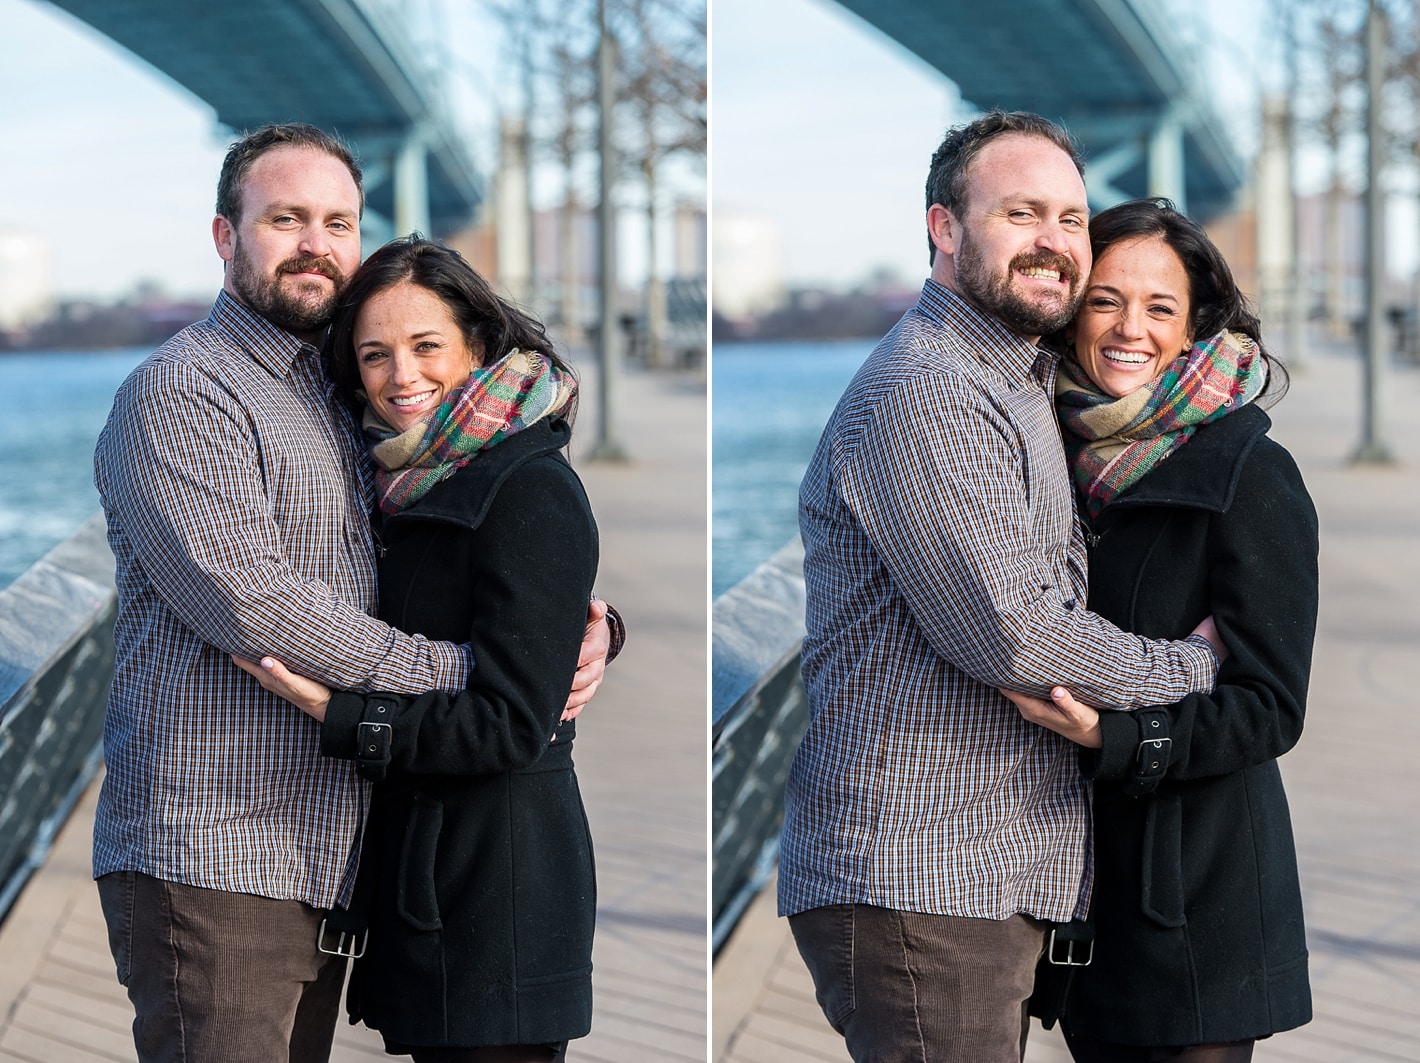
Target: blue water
52 405
770 405
771 401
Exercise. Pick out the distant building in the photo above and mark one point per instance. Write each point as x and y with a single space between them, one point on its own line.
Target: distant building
566 262
26 280
748 264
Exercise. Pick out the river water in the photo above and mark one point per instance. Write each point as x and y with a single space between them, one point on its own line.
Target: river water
770 403
52 405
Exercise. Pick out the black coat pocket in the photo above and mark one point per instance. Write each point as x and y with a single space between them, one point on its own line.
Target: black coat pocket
416 899
1161 873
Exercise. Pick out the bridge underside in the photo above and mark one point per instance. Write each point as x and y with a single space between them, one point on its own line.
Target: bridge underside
1109 70
318 61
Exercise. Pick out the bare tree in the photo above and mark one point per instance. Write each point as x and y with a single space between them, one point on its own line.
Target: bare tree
572 85
661 46
1338 53
664 90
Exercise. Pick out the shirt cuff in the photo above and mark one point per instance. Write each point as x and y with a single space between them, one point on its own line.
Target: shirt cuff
453 664
1213 664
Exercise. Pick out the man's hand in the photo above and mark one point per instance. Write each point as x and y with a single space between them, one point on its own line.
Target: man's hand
1061 714
306 694
591 662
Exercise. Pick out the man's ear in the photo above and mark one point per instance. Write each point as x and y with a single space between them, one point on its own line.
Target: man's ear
224 236
943 228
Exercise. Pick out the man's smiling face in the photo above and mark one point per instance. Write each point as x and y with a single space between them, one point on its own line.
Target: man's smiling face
297 240
1021 251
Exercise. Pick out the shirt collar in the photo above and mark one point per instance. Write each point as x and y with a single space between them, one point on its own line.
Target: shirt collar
271 346
996 345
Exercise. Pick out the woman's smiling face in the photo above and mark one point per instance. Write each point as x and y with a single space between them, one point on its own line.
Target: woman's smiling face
1134 320
411 353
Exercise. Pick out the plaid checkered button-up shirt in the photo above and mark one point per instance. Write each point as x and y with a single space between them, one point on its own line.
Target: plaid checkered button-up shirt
237 496
943 560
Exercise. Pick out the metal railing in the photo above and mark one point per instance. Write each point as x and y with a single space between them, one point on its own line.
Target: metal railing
758 715
56 663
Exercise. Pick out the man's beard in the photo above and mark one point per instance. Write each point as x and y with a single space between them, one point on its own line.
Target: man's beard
997 296
306 309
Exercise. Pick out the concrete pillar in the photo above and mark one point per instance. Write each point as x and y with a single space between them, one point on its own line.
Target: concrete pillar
1166 160
1276 259
513 214
411 185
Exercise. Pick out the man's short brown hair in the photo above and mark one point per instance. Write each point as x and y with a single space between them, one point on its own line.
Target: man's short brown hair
242 155
946 179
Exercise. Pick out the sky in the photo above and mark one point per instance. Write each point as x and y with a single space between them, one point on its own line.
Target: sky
826 126
115 166
816 121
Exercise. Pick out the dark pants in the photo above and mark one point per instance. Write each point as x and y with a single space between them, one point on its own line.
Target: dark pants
902 987
490 1054
219 977
1093 1050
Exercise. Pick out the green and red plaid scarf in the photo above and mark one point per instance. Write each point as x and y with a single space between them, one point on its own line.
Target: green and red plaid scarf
499 399
1110 443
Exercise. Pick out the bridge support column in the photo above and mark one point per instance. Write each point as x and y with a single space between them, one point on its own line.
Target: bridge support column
411 185
1276 238
513 205
1166 160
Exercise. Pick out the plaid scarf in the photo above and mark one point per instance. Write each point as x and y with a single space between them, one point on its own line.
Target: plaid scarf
1110 443
498 400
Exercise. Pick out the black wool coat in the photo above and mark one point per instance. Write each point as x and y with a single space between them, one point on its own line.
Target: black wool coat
1197 908
477 854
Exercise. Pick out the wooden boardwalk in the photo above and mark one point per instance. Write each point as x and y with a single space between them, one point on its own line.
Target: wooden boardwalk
641 758
1353 780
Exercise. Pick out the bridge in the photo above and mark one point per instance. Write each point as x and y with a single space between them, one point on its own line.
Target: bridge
1111 71
343 65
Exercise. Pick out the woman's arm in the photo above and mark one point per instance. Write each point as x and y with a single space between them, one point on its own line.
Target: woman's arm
536 563
1263 588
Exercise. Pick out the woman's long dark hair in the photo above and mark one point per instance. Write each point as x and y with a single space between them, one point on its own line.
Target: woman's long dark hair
1215 302
483 317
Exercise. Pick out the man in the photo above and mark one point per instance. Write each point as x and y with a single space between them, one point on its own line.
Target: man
237 495
929 830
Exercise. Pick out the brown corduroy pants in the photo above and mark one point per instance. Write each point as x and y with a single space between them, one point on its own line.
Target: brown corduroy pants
219 977
903 987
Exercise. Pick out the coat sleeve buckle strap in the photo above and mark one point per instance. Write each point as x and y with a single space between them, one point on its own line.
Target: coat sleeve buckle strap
1151 761
374 739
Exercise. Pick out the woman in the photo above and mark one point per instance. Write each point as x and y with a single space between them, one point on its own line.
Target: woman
1190 509
477 862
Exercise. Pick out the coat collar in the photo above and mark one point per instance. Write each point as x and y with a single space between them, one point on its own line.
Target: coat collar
464 498
1204 472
